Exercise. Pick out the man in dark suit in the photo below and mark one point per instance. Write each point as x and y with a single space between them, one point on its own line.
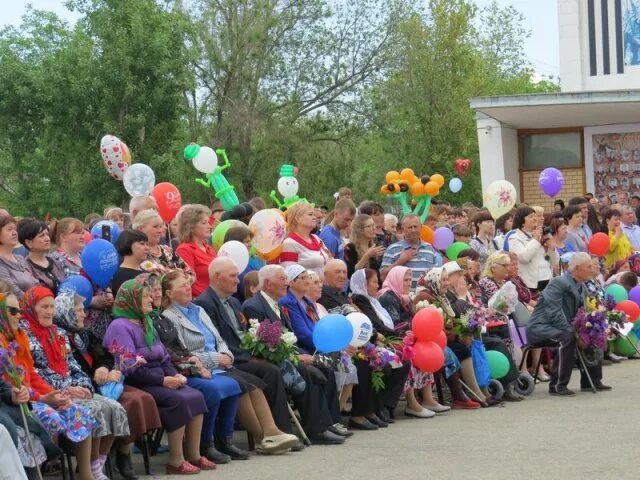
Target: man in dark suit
318 404
551 321
224 311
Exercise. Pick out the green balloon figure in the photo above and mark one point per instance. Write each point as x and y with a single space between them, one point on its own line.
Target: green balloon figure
288 188
205 160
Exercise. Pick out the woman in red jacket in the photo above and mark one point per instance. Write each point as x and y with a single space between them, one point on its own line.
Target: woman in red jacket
194 232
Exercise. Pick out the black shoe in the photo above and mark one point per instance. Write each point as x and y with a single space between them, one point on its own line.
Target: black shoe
364 425
327 438
377 421
382 415
340 430
562 392
227 447
392 413
209 451
600 388
124 466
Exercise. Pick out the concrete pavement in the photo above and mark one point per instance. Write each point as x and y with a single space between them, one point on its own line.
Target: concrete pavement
589 436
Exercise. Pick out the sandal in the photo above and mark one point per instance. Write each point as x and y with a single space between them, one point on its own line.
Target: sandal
185 468
204 464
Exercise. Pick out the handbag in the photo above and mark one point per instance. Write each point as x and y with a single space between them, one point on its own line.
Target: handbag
294 384
112 390
480 363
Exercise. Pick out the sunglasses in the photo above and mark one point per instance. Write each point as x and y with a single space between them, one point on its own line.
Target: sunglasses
14 310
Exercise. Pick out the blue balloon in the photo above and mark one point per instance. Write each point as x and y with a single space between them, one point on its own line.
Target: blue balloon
455 184
332 333
100 260
96 230
80 285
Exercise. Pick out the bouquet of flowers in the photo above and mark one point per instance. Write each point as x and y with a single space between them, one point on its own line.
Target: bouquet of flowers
504 301
471 323
8 368
616 318
124 359
378 358
270 341
591 326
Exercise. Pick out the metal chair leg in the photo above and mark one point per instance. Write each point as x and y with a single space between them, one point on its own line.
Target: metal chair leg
251 441
525 353
145 454
439 392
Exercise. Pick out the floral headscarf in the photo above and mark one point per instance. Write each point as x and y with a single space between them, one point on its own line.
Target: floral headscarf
395 283
128 304
65 318
53 344
431 281
358 285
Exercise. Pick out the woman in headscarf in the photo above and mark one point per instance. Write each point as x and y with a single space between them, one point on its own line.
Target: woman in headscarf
54 409
181 407
434 285
364 288
53 360
394 297
98 363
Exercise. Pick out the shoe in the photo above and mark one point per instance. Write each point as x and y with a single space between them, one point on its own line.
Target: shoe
277 444
613 357
327 438
340 429
214 455
543 378
424 413
203 464
465 404
228 448
392 413
185 468
299 447
600 388
124 466
364 425
562 392
376 421
438 408
382 415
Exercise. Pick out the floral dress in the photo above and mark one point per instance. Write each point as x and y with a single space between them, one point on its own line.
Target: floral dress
109 415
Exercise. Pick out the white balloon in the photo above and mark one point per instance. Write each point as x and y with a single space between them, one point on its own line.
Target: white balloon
288 186
362 328
269 229
115 155
139 180
237 252
206 160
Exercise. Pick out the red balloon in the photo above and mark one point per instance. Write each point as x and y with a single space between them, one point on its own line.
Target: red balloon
428 356
599 244
441 340
168 199
630 308
87 237
427 324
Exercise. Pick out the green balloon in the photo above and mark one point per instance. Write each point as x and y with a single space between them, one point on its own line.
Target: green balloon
625 345
618 292
498 364
454 250
217 237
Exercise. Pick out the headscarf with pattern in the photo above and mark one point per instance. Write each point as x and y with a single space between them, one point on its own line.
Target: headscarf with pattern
128 304
65 318
431 281
53 344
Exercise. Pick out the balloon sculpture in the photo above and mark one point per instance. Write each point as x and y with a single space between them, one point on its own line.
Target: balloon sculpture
204 159
423 189
287 187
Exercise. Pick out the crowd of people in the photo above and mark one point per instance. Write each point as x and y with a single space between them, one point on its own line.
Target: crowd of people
170 327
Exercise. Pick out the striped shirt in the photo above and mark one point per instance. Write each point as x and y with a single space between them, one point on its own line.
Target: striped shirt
426 258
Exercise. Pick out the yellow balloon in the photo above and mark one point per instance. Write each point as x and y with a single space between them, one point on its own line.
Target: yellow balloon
439 179
500 197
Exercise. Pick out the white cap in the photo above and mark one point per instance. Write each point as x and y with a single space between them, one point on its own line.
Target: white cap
452 267
294 271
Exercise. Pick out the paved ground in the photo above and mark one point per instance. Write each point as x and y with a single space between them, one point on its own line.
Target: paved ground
585 437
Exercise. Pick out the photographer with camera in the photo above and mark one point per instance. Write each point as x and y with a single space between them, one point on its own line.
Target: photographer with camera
533 247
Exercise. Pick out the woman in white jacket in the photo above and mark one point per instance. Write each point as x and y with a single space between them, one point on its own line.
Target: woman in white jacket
527 243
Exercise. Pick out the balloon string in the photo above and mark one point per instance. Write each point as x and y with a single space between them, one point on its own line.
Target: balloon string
170 236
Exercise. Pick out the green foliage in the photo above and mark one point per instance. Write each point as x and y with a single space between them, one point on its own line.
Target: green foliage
346 90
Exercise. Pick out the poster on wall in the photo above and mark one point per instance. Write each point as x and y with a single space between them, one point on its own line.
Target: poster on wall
616 164
631 16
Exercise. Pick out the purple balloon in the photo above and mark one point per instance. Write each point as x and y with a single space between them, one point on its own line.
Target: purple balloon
442 238
551 181
634 294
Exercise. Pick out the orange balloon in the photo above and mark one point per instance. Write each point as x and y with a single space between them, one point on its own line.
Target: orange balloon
426 234
407 174
431 188
439 179
417 189
384 190
270 256
391 176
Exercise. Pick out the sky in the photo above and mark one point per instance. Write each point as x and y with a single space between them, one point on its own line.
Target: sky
541 18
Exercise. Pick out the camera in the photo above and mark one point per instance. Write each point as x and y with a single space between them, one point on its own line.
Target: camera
547 232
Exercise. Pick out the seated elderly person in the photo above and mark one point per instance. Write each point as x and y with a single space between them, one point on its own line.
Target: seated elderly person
318 403
551 322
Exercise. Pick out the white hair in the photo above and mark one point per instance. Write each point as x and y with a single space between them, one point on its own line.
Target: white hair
390 217
138 203
144 217
219 265
578 259
267 273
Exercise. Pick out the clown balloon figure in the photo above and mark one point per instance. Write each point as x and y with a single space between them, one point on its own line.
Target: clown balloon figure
287 187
